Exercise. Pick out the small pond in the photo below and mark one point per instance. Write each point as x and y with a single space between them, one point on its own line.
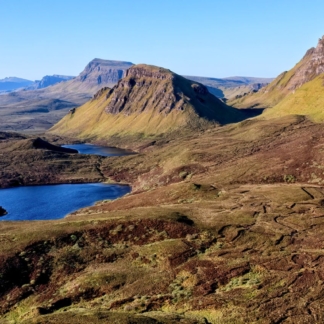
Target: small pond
98 150
54 201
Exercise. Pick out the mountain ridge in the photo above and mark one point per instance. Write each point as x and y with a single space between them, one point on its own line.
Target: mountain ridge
148 100
306 70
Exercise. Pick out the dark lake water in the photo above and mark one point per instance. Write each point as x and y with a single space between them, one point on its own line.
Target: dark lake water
54 201
98 150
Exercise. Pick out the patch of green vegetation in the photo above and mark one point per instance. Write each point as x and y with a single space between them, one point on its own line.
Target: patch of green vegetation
289 178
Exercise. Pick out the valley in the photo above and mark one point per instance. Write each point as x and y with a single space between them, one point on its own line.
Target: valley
224 221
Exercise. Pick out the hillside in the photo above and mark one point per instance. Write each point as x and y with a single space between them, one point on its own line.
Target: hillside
148 101
222 226
311 65
32 110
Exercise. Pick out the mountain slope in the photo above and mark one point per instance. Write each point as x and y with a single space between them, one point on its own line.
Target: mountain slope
306 100
20 110
311 65
149 100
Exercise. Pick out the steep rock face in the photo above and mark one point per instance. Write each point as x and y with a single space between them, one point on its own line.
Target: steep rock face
310 66
56 100
146 88
99 73
313 66
149 100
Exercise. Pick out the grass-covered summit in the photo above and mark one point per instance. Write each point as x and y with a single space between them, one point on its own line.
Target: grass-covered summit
148 100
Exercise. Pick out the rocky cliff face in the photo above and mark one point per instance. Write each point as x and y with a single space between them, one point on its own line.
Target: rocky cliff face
149 100
146 88
103 73
58 98
309 67
312 67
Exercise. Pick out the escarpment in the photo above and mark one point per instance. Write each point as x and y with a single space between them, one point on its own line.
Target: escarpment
148 101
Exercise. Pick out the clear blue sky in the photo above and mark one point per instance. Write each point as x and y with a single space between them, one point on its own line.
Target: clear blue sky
215 38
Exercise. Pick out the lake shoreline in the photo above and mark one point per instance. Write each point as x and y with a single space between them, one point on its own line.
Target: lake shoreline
50 202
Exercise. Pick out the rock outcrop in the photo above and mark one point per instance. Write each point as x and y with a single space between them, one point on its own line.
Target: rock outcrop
101 73
310 66
2 211
37 106
149 100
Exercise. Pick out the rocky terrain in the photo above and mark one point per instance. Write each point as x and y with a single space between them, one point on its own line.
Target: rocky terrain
148 101
37 110
35 106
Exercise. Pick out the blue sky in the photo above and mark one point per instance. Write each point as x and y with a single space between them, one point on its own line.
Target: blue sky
216 38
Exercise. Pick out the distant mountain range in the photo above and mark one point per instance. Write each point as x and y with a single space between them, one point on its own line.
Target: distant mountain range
33 106
13 83
49 80
38 109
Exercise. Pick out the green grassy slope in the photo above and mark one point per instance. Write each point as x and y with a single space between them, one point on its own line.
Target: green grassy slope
307 100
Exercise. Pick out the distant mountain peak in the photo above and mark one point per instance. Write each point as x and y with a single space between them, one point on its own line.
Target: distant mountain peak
100 73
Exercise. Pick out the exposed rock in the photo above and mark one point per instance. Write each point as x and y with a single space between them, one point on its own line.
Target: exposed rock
3 211
309 67
24 110
100 73
147 88
313 66
148 100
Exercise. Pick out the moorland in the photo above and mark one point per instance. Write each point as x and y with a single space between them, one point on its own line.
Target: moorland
224 223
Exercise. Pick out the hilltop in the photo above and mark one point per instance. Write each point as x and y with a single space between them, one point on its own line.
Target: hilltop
149 101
